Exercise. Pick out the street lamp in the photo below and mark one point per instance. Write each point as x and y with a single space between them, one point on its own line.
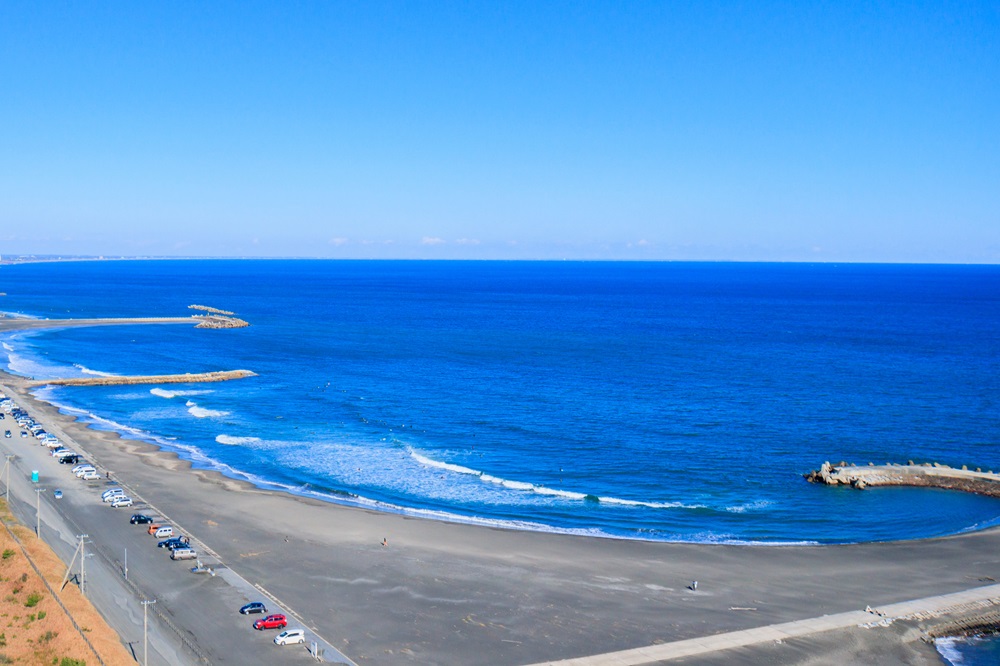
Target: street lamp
145 644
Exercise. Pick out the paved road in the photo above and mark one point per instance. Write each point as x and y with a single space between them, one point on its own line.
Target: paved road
786 630
195 618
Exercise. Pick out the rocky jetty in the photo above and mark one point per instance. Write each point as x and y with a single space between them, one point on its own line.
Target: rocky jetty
220 321
218 376
205 308
929 475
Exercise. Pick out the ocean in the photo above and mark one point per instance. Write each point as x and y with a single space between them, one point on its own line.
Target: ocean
661 401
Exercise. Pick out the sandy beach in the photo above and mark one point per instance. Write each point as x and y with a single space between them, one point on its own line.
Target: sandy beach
448 593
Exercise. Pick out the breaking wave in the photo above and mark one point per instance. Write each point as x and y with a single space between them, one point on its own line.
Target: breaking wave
97 373
544 490
164 393
201 412
236 441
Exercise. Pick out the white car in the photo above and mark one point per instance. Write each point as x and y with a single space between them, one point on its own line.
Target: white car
290 637
55 453
89 475
112 493
84 469
121 501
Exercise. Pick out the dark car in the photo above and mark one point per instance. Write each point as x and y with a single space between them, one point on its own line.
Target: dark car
139 519
276 621
254 607
69 460
174 543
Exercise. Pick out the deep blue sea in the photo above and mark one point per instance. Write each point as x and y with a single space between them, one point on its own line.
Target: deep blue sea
665 401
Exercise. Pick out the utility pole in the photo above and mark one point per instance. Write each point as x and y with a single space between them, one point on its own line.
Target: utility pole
38 511
126 562
6 468
83 564
145 643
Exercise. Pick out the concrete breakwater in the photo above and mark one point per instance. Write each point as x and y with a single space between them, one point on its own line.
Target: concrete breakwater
217 376
930 475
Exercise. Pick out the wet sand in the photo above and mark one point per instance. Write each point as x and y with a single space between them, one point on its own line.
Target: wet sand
448 593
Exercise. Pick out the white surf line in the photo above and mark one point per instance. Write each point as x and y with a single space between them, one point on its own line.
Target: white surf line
979 596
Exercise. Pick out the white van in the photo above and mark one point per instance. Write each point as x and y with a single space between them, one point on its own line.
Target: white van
165 532
182 553
290 637
112 493
65 453
85 469
89 475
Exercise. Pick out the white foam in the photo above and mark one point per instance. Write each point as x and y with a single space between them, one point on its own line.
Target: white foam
458 469
8 347
28 367
523 486
948 648
163 393
202 413
87 371
649 505
542 490
236 441
749 506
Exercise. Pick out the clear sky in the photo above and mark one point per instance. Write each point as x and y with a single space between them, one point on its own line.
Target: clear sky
815 131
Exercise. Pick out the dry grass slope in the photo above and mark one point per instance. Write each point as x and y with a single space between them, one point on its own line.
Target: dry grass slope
34 628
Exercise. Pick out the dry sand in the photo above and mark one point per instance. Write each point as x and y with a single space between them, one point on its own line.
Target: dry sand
446 593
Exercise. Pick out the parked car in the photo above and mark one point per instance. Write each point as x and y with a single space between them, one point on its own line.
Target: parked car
174 542
89 475
24 434
6 433
290 637
253 607
112 493
271 622
85 469
119 502
70 460
140 519
183 554
163 532
57 494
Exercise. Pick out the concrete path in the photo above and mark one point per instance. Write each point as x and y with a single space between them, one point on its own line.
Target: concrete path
883 615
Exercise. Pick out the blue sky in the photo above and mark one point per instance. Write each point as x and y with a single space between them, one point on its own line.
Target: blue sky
799 131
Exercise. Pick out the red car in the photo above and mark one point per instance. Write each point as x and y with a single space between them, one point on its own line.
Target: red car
271 622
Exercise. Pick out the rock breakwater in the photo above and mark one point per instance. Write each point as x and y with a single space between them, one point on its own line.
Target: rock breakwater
219 321
217 376
930 475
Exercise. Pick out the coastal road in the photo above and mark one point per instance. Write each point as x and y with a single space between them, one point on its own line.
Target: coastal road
194 619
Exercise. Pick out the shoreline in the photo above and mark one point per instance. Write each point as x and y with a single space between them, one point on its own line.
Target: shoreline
612 594
460 593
